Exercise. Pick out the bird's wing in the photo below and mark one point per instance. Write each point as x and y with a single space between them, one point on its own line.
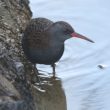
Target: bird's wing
35 33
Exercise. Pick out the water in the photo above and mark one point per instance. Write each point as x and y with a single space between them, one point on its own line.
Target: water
87 86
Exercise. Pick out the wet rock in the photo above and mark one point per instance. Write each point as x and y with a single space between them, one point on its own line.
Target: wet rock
19 68
13 105
15 94
7 89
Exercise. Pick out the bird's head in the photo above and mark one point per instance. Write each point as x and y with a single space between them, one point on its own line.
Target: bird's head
62 31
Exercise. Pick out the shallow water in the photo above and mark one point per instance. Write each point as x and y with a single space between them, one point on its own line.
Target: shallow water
87 86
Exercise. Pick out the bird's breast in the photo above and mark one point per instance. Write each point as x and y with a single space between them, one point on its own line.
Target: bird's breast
48 55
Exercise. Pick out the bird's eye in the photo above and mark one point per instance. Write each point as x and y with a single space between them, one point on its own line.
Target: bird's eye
66 31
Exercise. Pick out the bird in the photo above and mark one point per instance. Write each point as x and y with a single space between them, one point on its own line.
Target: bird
43 41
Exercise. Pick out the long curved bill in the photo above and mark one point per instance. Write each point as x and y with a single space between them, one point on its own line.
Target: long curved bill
77 35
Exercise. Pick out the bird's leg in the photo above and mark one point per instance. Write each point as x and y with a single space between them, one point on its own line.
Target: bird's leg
53 67
36 74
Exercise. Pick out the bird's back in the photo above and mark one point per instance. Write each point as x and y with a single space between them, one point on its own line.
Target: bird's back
35 33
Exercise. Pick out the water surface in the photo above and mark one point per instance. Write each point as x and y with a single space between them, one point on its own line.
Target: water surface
87 87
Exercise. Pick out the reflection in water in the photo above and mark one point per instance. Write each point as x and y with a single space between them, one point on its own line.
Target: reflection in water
51 96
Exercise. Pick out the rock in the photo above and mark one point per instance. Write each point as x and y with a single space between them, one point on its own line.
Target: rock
15 94
19 68
7 88
14 105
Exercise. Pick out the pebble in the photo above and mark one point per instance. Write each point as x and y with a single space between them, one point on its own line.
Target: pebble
102 66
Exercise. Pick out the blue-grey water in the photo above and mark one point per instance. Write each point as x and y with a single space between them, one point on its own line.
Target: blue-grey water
87 86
